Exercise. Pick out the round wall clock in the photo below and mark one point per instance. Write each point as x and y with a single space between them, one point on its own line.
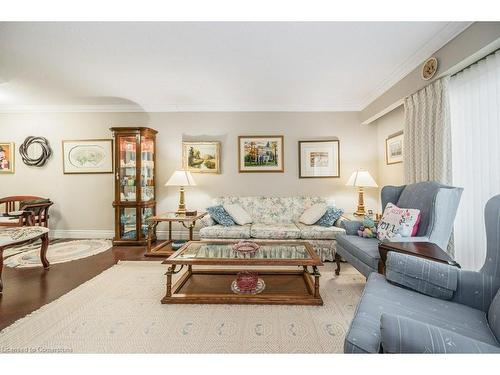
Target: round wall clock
429 68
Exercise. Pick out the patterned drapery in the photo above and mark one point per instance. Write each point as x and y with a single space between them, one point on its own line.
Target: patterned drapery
427 134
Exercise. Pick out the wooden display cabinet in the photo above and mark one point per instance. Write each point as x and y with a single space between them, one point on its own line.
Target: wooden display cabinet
135 174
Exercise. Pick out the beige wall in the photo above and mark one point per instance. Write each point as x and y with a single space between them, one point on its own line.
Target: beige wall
387 125
476 41
83 202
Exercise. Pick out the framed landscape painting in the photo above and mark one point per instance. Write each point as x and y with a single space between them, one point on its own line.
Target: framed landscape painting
394 149
201 157
319 159
6 157
260 153
88 156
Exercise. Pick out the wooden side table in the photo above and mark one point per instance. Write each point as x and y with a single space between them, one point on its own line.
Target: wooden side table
427 250
164 248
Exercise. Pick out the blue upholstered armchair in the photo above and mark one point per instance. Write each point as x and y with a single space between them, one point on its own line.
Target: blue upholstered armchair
422 306
438 206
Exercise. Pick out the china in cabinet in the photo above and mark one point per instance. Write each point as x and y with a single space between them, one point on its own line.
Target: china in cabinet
135 199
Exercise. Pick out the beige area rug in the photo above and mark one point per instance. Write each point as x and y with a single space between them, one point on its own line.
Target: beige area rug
58 252
119 311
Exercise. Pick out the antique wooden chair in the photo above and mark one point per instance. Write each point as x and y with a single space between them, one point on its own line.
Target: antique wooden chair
35 210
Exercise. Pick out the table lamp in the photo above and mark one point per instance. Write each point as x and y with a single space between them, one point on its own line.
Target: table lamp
361 179
181 178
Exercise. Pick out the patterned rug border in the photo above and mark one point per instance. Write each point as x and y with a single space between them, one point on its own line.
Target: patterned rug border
66 298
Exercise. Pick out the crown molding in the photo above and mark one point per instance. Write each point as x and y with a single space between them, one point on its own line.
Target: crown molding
127 108
447 33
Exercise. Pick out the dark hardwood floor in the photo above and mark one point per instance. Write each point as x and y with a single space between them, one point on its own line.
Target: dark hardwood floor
26 290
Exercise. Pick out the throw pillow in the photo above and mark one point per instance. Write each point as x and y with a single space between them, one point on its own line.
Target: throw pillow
398 222
239 215
219 214
331 215
25 204
313 214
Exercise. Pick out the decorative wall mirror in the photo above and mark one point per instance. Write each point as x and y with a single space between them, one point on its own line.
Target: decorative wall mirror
35 151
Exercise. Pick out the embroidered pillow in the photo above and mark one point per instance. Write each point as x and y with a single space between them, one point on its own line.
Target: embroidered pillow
331 215
219 214
398 222
238 214
313 214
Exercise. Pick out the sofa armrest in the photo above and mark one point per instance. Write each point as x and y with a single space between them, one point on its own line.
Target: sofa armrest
351 226
404 335
206 221
425 276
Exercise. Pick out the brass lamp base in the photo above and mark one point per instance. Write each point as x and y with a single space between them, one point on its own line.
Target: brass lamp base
361 203
181 210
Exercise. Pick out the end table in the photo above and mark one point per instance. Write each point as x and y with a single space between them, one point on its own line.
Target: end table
427 250
164 248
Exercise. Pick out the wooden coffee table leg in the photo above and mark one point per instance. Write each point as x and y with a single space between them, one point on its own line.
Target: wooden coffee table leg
43 251
1 268
316 281
170 272
337 260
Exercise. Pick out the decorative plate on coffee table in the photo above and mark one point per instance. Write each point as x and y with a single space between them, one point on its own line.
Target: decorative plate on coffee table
258 289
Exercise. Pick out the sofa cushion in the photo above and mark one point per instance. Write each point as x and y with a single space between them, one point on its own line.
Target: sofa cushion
331 215
219 214
220 231
313 214
364 249
381 297
275 231
272 210
318 232
239 215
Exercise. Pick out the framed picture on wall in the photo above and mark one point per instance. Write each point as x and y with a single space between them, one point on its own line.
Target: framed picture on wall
201 157
6 157
319 159
394 148
87 156
260 153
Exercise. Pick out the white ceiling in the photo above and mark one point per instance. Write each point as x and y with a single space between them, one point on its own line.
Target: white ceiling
329 66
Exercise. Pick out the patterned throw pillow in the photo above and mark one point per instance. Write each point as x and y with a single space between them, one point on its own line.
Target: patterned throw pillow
398 222
331 215
220 215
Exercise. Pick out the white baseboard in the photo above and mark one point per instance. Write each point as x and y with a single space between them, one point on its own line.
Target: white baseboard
96 233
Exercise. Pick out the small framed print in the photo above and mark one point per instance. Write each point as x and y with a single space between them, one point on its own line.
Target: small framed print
88 156
260 153
6 157
394 148
201 157
319 159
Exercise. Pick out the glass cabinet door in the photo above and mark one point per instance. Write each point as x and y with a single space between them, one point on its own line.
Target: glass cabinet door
147 169
147 212
128 223
127 168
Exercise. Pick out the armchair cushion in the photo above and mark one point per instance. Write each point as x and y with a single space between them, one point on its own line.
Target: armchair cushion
364 249
494 315
405 335
381 297
422 275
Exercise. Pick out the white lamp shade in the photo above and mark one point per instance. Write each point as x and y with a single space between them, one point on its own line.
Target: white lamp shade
361 179
181 178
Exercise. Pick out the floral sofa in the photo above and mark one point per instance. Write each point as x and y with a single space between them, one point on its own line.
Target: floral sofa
274 218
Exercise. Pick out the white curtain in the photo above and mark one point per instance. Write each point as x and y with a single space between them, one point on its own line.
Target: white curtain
427 137
475 128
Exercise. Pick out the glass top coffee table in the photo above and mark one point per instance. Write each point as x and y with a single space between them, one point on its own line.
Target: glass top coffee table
214 282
